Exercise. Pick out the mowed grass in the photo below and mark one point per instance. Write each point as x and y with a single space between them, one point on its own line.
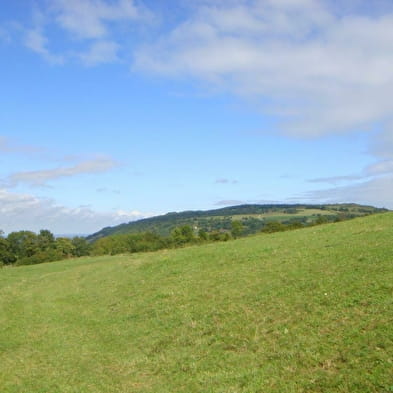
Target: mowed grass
301 311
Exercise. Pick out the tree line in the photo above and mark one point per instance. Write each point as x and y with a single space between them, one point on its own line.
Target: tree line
28 248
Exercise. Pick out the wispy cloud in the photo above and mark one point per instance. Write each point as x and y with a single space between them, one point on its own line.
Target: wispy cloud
229 202
380 168
101 52
234 202
32 213
92 23
38 43
376 191
336 179
5 36
377 169
42 177
10 146
225 181
89 19
107 190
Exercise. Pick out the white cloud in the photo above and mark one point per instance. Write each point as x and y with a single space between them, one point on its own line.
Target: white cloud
88 19
41 177
319 71
101 52
27 212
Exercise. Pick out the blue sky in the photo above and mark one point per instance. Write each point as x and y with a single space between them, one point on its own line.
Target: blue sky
114 110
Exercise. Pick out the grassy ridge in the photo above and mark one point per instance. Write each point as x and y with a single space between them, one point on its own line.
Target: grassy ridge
301 311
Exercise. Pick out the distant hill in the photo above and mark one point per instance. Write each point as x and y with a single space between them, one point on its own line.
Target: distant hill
253 218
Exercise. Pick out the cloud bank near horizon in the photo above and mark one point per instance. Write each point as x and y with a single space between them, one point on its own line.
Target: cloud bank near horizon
34 213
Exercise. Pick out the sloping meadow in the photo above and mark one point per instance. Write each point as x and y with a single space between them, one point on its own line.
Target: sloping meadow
308 310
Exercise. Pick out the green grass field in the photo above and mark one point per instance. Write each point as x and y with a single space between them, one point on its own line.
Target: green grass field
309 310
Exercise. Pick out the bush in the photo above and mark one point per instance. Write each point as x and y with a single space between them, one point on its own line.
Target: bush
217 236
274 226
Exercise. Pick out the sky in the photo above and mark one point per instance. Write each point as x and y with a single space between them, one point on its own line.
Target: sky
116 110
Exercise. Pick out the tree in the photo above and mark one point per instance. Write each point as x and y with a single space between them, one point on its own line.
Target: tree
46 240
237 228
81 246
64 247
23 243
182 235
6 257
202 234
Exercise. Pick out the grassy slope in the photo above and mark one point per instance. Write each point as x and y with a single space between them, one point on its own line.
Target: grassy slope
301 311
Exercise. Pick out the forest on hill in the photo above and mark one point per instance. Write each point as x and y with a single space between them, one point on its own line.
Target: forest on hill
252 217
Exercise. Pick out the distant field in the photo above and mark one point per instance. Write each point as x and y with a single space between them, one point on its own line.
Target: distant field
280 215
308 310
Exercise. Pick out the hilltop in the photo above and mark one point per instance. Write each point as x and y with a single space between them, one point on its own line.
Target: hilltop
308 310
253 217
